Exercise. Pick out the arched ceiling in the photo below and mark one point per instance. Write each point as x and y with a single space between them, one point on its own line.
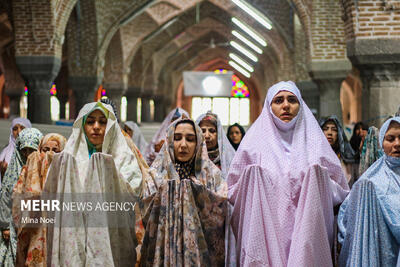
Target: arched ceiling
152 41
152 53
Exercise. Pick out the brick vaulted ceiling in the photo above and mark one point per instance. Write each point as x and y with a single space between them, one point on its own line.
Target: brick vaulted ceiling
146 43
168 38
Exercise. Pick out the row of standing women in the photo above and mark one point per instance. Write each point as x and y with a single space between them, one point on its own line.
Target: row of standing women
270 203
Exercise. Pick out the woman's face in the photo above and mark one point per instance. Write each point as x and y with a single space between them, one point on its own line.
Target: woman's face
358 130
184 142
26 151
235 135
285 106
331 132
51 146
391 141
95 127
128 131
210 134
361 132
17 129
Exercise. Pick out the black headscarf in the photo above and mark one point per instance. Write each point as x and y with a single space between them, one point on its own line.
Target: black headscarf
241 129
342 147
112 104
355 139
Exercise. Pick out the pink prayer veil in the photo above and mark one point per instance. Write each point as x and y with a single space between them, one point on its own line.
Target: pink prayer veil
283 184
309 145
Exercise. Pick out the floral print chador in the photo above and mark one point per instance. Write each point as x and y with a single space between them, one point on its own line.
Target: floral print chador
184 215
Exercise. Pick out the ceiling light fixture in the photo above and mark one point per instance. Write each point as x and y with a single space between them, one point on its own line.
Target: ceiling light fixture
246 28
247 42
254 13
244 51
241 62
211 85
239 69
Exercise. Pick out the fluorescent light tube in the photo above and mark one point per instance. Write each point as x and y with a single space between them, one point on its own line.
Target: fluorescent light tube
254 13
244 51
239 69
241 62
250 31
247 42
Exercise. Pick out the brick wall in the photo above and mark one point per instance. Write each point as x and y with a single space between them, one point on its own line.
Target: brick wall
113 68
369 19
134 32
34 28
328 37
82 40
39 26
109 14
279 12
300 51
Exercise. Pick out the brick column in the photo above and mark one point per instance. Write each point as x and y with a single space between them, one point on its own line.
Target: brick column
14 102
310 93
84 90
146 109
132 98
379 65
39 73
380 92
329 76
159 109
63 100
115 93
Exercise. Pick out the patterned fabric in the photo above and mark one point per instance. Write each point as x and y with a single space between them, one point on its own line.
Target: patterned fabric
225 150
7 152
28 138
84 244
114 144
137 137
222 157
112 104
214 156
185 218
144 168
32 241
369 218
283 184
150 153
184 169
114 169
371 150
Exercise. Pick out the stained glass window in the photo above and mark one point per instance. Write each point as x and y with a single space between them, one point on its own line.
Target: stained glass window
229 109
53 90
239 88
